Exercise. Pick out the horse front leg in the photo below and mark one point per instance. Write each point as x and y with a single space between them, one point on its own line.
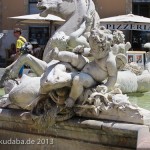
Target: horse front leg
37 65
11 72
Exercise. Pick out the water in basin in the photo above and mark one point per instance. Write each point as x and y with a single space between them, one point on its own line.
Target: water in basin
141 99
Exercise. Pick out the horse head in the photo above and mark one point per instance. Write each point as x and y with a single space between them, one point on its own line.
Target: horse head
61 8
80 16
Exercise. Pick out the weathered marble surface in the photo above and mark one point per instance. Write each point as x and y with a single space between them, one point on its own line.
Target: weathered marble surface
77 133
72 81
69 84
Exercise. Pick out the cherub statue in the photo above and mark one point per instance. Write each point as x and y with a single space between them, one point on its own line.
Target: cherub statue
119 45
104 66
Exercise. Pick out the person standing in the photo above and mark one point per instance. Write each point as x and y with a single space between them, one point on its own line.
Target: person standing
19 43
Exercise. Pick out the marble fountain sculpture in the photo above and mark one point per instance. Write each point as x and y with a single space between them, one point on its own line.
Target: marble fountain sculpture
67 83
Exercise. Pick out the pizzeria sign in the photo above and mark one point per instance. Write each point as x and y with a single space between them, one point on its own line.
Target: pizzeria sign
127 26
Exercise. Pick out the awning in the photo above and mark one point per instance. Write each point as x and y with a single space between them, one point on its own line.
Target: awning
37 19
127 22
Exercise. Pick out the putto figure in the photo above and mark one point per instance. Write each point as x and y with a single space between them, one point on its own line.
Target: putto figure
104 66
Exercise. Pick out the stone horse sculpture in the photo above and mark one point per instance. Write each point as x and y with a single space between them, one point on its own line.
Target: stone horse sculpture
80 16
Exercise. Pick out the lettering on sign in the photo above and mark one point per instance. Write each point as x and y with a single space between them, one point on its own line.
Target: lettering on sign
127 26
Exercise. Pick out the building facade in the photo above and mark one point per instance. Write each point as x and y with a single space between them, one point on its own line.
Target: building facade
105 9
139 38
9 9
137 7
22 7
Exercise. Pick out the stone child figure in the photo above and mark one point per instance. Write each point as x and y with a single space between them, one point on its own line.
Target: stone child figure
104 66
119 45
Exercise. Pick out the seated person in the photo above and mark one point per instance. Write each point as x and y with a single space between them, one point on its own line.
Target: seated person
12 51
36 49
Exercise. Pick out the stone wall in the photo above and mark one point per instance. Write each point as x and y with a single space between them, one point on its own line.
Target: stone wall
74 134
